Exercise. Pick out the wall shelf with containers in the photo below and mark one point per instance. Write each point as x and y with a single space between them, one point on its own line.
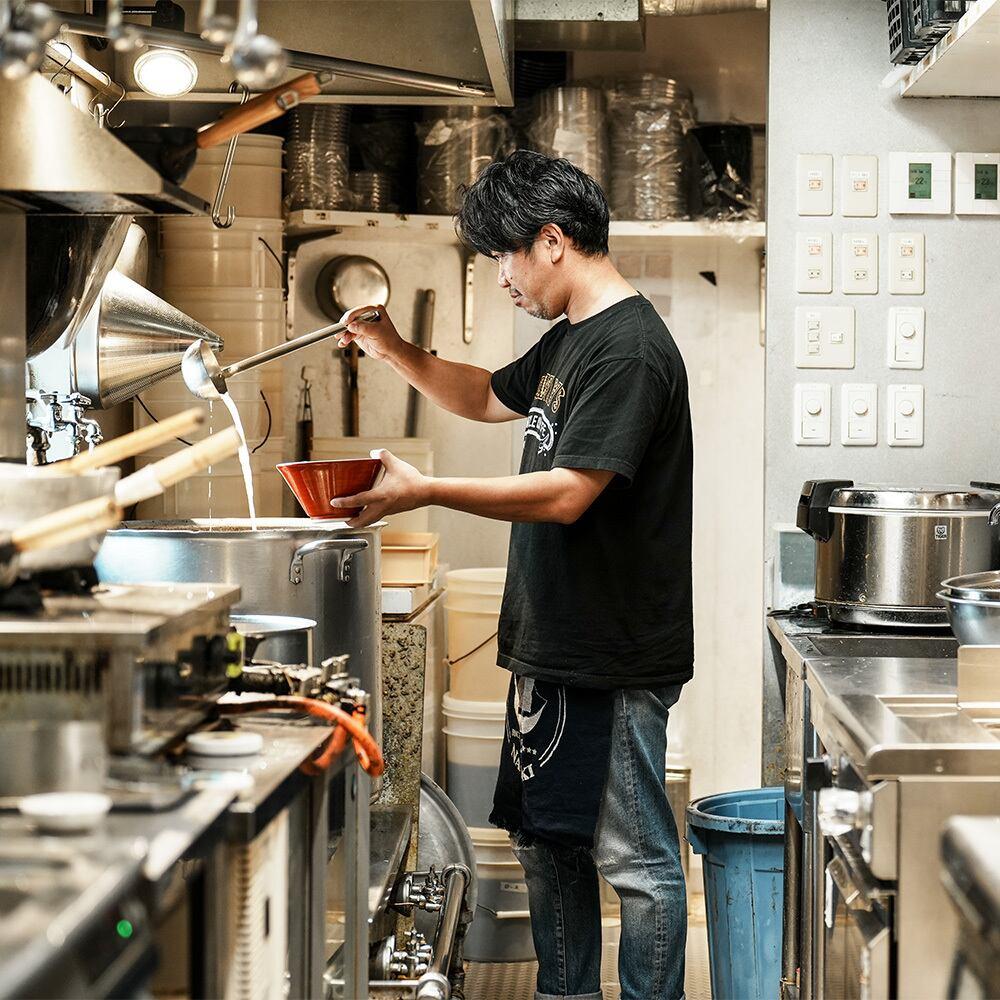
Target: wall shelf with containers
440 228
965 63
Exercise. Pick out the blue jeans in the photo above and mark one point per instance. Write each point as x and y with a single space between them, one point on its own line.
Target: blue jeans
636 849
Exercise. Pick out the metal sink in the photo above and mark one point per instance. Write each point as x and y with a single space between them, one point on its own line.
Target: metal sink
930 647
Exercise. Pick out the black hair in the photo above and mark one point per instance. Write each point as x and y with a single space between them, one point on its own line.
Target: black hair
510 201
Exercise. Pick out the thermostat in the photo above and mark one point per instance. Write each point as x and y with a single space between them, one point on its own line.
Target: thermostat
976 187
920 183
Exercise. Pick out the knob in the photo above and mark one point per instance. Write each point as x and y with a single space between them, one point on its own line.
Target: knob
813 407
818 773
860 407
840 810
907 330
906 408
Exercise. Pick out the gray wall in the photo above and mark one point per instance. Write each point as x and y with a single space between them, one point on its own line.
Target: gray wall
827 59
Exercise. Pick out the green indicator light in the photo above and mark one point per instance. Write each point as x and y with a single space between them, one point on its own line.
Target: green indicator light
125 929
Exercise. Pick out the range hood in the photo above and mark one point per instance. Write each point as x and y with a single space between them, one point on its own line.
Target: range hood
610 25
55 159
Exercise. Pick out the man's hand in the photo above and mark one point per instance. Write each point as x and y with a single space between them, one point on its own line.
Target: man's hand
401 488
378 340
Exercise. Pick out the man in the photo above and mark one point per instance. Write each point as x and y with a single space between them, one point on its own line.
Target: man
596 618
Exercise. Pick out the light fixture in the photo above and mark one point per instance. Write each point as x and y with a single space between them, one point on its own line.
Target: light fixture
165 72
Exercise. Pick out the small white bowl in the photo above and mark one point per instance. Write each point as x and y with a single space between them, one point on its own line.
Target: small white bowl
65 812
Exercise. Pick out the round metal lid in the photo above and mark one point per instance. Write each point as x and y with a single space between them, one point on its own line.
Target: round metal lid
896 498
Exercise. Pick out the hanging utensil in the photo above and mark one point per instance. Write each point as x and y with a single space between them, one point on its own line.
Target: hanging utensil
423 340
129 445
172 149
230 218
347 283
206 378
304 424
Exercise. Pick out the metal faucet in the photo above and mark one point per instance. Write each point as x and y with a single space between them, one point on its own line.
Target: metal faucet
48 413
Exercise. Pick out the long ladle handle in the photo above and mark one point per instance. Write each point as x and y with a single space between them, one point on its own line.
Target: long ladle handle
273 353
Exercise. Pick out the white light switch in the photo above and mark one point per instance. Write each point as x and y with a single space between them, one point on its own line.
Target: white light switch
812 413
906 416
859 414
814 262
906 263
859 263
859 186
920 183
814 184
824 337
906 337
976 183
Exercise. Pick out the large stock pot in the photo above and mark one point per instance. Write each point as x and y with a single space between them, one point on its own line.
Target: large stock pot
325 571
882 551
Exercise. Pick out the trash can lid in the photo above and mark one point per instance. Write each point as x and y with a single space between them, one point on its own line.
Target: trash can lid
752 810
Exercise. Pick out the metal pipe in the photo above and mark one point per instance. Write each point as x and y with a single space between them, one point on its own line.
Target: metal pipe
791 907
83 24
68 61
434 983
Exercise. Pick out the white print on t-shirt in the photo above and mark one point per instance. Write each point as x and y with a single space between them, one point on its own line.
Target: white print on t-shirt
530 712
541 428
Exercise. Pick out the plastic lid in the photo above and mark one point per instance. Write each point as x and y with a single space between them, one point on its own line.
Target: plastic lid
473 709
896 498
65 810
489 836
225 743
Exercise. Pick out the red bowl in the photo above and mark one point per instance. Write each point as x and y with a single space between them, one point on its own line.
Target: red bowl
315 484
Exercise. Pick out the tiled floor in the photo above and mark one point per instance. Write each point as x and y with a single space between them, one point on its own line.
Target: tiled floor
516 980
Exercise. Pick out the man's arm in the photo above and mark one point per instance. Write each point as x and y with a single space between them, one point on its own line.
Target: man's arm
558 496
461 389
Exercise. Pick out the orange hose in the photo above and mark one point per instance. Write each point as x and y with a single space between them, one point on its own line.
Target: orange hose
368 751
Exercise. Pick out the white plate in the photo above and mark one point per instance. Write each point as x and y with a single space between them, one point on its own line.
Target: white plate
65 812
225 743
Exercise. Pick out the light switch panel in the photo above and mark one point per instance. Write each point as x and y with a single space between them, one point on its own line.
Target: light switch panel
906 337
824 337
906 263
906 416
859 263
920 183
859 414
859 186
976 188
814 262
812 413
814 184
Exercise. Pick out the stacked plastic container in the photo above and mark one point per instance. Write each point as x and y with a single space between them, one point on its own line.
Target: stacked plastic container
474 710
231 280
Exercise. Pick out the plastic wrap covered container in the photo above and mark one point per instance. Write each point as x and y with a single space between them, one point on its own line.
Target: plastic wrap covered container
316 157
571 122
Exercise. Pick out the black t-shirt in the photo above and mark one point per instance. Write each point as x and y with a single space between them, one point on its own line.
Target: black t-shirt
604 602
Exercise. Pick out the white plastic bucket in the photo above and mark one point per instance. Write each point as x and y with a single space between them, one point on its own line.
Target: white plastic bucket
418 452
255 267
251 149
195 232
254 187
501 926
472 609
209 304
473 739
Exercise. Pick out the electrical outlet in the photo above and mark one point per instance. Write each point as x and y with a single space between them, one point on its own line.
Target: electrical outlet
814 184
813 262
906 263
859 263
859 186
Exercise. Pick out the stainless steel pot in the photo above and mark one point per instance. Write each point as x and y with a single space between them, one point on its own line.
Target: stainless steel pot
882 551
276 638
325 571
27 492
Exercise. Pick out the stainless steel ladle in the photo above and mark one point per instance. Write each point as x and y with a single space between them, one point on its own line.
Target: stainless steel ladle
206 378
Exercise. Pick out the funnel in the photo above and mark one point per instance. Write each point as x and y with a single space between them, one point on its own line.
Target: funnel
137 340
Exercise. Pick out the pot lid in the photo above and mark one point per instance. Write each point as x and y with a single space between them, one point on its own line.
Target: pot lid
887 497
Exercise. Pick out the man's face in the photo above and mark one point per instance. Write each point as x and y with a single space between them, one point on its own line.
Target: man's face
527 276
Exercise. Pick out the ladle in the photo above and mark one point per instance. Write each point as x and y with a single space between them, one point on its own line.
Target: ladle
206 378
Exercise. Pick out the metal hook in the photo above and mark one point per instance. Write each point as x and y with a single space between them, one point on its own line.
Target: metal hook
230 218
107 116
304 379
52 78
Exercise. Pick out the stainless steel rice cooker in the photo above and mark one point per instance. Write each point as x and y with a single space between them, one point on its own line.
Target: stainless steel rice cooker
882 551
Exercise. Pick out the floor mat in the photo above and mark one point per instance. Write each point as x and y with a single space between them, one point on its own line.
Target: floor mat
516 980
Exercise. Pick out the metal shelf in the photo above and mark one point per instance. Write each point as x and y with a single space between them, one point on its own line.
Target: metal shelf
965 63
441 229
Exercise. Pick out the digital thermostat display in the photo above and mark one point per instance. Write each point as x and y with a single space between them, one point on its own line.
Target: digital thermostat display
985 184
920 182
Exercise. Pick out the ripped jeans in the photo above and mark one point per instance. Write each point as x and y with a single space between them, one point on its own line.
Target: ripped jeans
636 849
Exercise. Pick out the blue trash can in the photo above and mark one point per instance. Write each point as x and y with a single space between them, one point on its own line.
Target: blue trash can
740 836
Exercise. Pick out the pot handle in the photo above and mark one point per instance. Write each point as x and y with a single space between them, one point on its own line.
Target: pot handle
813 514
346 547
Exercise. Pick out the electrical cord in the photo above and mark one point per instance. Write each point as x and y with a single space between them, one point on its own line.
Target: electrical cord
149 413
267 433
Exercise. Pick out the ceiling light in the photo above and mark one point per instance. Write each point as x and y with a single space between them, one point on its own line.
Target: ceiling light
165 72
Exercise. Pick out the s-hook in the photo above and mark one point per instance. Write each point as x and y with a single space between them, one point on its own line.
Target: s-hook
230 218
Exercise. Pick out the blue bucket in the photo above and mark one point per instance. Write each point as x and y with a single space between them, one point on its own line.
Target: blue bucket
741 838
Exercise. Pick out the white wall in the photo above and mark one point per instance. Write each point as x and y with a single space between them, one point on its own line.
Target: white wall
827 58
461 448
